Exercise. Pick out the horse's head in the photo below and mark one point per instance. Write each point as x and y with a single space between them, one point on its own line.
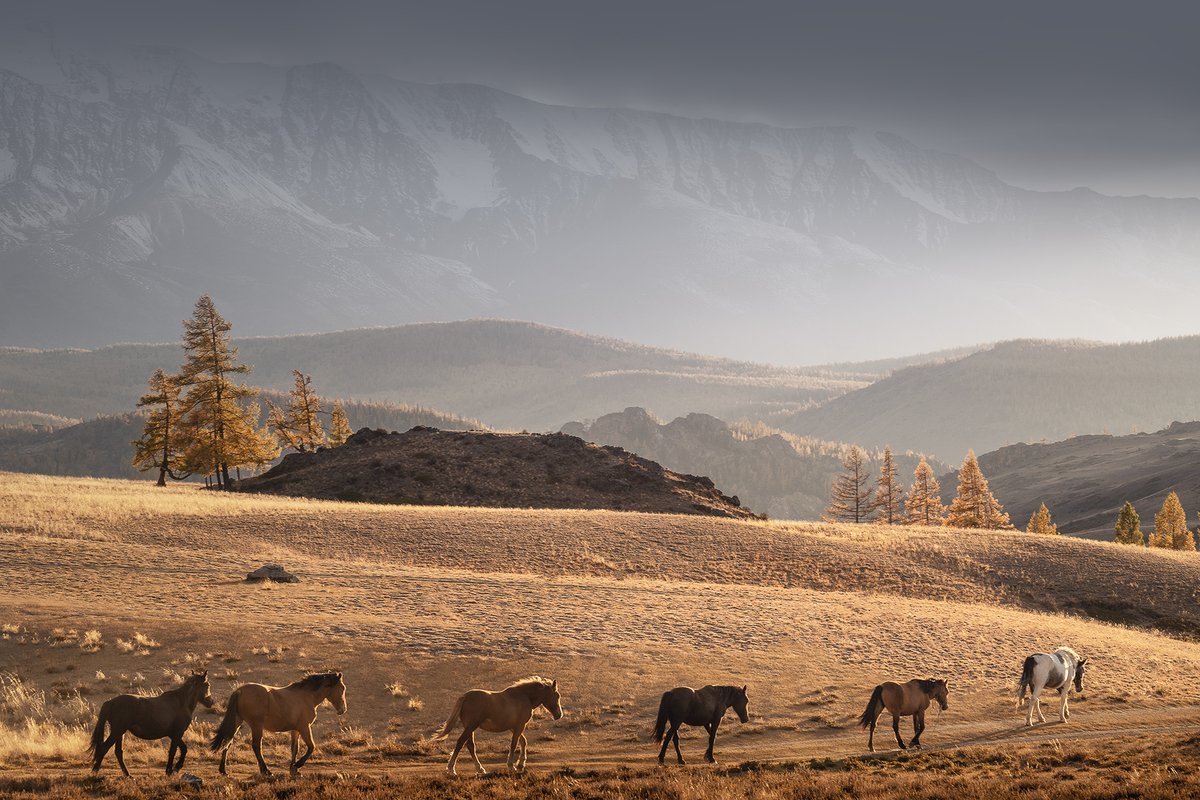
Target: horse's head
337 692
1079 670
739 701
940 691
198 681
552 700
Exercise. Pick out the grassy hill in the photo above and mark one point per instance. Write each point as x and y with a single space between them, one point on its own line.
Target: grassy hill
512 374
1022 391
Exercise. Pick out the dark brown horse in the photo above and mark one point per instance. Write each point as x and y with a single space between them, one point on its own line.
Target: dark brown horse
706 708
903 700
291 708
164 717
506 710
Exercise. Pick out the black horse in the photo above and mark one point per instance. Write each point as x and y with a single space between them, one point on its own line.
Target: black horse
162 717
705 707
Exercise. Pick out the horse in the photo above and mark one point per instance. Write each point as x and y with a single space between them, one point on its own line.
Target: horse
506 710
904 700
166 716
290 708
706 707
1057 670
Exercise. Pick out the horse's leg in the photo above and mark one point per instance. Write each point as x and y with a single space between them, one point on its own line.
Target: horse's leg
171 753
295 747
918 728
675 734
183 749
103 750
121 753
224 756
712 740
896 729
479 770
1063 712
306 735
871 737
666 742
512 749
256 734
524 753
462 740
1041 716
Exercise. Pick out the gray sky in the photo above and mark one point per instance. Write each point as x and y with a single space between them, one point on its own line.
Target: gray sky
1050 94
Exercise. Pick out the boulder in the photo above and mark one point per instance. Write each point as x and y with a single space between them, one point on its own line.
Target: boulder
271 572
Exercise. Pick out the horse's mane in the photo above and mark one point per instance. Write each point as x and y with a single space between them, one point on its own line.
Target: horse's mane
1068 651
531 681
315 680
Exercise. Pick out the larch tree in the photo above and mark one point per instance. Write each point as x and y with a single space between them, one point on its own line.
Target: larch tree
924 502
850 499
221 423
299 425
1040 522
1170 526
1129 526
974 505
339 425
162 445
888 503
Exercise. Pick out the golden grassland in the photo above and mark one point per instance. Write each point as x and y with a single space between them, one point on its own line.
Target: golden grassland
115 586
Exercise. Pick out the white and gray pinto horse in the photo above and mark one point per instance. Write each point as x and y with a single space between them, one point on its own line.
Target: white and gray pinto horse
1057 670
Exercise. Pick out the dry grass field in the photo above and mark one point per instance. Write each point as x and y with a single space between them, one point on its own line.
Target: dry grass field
112 586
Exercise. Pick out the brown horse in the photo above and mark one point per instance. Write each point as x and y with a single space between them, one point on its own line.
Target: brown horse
706 708
507 710
276 709
904 700
162 717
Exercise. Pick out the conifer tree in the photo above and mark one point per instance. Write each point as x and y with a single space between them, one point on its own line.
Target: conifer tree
850 500
889 495
339 425
1040 522
219 421
1170 526
299 426
1129 526
924 502
162 444
974 505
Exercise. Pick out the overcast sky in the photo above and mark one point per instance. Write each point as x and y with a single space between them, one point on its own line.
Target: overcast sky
1050 94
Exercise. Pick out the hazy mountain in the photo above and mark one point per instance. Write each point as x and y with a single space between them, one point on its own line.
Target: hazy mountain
100 447
783 476
307 198
1086 479
510 374
1023 391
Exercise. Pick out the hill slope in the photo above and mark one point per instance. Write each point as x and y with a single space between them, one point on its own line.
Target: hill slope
511 374
131 180
1086 479
783 477
1022 391
426 466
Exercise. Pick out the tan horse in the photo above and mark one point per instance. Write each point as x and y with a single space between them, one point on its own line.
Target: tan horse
507 710
290 708
164 717
705 707
904 700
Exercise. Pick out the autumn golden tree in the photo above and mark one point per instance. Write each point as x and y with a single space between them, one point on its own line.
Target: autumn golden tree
1040 522
850 500
1129 526
924 502
162 444
974 505
339 425
888 503
299 425
1170 526
220 422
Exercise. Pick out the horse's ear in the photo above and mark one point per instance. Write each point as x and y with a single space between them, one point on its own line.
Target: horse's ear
744 685
554 684
1082 661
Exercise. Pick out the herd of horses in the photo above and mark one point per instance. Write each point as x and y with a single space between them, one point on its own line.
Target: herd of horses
293 708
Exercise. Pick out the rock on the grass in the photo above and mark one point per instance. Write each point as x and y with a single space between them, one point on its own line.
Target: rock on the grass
272 572
188 779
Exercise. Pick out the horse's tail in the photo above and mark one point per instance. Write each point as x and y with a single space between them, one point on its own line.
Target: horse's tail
98 731
1026 679
452 720
664 706
874 708
229 725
